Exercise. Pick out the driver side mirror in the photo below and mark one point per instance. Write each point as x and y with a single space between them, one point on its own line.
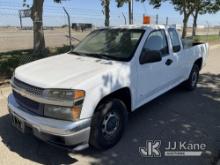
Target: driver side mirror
150 57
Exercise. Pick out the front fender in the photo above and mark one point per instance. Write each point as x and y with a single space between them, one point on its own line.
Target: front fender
93 98
102 86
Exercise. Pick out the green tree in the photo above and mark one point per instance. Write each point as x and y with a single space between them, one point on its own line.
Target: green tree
106 11
202 7
185 7
37 18
120 3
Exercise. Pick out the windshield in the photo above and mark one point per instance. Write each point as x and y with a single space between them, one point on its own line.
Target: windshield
115 44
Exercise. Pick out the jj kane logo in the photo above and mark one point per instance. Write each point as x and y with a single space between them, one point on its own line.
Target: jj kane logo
153 149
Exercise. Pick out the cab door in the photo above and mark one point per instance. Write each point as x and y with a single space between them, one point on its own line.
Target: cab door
177 52
154 78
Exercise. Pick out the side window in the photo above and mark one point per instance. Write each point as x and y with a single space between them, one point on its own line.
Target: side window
175 40
157 41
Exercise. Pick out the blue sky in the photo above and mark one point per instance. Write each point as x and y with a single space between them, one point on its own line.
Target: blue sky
91 11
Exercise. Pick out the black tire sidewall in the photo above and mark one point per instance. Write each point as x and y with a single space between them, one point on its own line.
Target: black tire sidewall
190 85
99 141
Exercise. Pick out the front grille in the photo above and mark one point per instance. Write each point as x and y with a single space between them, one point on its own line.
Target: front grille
28 104
29 88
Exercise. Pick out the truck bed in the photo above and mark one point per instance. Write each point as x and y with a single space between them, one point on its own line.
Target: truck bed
188 43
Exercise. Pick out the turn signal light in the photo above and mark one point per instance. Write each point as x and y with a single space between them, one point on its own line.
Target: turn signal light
76 112
78 94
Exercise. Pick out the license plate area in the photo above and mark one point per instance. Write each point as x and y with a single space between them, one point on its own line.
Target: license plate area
18 123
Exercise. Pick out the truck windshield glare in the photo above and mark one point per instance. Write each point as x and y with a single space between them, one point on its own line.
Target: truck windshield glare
114 44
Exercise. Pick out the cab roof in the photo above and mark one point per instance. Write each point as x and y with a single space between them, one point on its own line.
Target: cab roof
143 27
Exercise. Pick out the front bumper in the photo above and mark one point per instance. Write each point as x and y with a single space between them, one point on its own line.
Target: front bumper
58 132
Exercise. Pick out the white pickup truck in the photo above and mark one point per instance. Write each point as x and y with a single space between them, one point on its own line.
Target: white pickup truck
84 96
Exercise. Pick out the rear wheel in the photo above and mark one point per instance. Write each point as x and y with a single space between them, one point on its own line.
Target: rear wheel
108 124
192 81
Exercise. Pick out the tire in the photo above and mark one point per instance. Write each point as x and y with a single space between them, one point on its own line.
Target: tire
192 81
108 124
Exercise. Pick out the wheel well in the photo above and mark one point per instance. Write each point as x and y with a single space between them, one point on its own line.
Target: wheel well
123 94
199 63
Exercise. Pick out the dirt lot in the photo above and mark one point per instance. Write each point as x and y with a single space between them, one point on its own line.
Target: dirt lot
176 116
15 39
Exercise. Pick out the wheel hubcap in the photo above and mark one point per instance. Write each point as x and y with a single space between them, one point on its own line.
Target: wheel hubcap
110 124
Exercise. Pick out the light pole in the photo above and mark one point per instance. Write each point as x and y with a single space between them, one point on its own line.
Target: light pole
207 22
219 30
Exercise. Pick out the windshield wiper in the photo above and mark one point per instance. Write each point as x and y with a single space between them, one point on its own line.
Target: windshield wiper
102 56
78 53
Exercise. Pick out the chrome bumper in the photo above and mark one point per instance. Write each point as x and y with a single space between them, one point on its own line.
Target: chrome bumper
51 130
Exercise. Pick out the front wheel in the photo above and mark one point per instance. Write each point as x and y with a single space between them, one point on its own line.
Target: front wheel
108 124
192 81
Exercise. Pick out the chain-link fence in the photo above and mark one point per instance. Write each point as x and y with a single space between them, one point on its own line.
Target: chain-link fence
16 35
12 37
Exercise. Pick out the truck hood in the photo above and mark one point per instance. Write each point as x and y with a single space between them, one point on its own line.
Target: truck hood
62 71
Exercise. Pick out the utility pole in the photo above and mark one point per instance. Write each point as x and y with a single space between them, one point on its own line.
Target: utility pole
219 30
130 11
70 37
157 19
167 21
208 26
20 18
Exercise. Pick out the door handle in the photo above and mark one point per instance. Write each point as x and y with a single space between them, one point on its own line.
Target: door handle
169 62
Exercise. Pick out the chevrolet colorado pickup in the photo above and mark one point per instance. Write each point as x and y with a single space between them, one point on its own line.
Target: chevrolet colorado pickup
84 96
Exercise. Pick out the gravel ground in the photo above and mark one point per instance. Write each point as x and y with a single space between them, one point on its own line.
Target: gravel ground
176 116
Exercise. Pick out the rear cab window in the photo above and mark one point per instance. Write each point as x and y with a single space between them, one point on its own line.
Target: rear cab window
176 44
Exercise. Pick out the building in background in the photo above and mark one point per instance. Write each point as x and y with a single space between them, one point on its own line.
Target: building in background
201 26
177 26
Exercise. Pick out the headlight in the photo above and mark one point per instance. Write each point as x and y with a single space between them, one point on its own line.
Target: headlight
63 113
62 94
60 112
